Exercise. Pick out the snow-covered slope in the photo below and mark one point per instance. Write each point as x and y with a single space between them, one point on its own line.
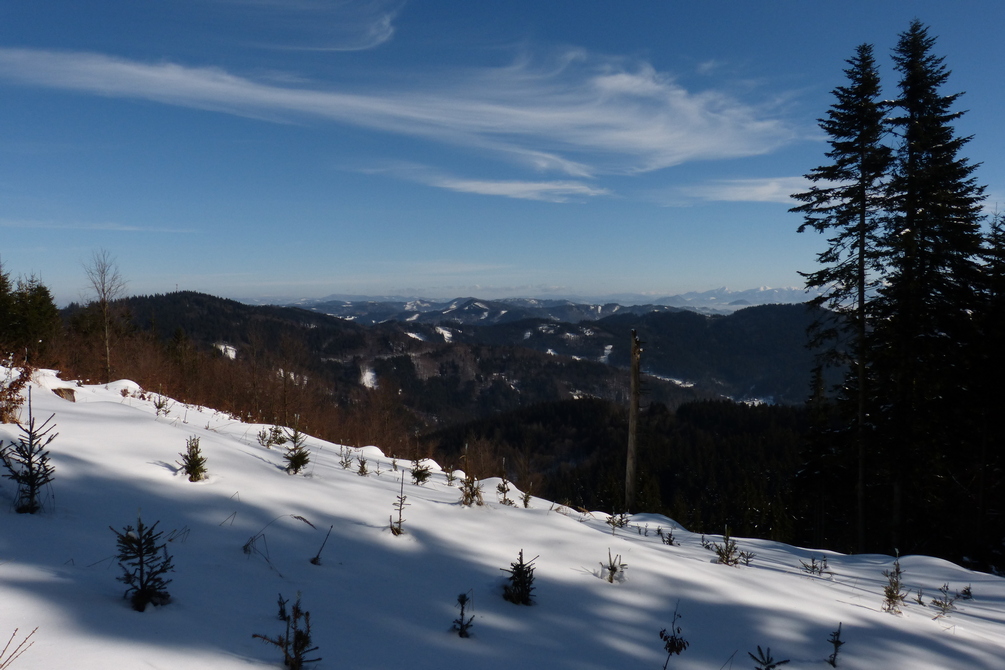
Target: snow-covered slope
380 601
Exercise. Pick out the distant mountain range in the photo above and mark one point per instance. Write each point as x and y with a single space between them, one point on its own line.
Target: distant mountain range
369 310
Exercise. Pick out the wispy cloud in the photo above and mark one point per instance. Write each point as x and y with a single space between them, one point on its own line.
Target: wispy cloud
314 25
779 189
574 114
116 227
547 191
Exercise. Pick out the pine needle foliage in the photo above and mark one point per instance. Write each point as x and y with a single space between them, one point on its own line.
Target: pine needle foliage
471 491
192 462
144 562
764 659
462 624
400 504
297 456
295 642
521 581
27 462
420 472
893 593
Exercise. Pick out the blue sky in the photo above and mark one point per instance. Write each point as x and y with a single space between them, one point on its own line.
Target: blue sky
299 148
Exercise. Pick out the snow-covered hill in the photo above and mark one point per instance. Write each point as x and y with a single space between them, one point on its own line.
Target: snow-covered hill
380 601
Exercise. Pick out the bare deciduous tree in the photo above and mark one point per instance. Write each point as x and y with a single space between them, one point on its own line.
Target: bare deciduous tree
107 285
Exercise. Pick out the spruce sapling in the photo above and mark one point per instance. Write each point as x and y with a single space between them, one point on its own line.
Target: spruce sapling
192 462
144 563
461 624
27 462
764 660
297 456
945 604
400 504
471 491
521 581
295 643
420 472
893 596
614 569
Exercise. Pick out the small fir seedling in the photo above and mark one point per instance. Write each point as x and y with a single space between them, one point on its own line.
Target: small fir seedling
616 521
272 436
317 558
27 461
946 604
297 456
162 405
614 569
295 642
144 563
706 544
836 641
673 642
503 489
746 557
920 598
815 567
397 527
667 537
764 660
966 594
462 624
525 498
520 588
362 470
420 472
451 477
471 491
727 553
8 655
192 462
893 594
345 458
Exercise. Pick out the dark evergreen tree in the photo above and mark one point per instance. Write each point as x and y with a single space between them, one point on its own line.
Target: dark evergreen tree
6 310
846 201
29 320
144 563
27 462
925 307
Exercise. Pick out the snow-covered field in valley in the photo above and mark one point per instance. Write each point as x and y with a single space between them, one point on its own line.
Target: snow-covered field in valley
383 601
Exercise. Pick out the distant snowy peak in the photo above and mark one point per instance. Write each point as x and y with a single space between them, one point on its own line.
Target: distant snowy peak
472 310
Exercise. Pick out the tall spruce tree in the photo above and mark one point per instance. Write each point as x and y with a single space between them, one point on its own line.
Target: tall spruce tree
925 307
846 201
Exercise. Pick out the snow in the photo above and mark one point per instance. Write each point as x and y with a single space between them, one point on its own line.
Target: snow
415 336
227 350
448 336
379 601
368 378
606 356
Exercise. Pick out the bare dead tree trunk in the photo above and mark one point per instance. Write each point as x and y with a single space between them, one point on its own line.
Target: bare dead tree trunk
633 423
107 285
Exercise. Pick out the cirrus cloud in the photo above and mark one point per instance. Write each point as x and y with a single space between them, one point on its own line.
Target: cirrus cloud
574 114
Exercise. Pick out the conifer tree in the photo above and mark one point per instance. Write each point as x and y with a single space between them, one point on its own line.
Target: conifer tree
925 307
846 201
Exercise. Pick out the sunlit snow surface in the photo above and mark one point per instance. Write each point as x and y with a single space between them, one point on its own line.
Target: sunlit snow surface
379 601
